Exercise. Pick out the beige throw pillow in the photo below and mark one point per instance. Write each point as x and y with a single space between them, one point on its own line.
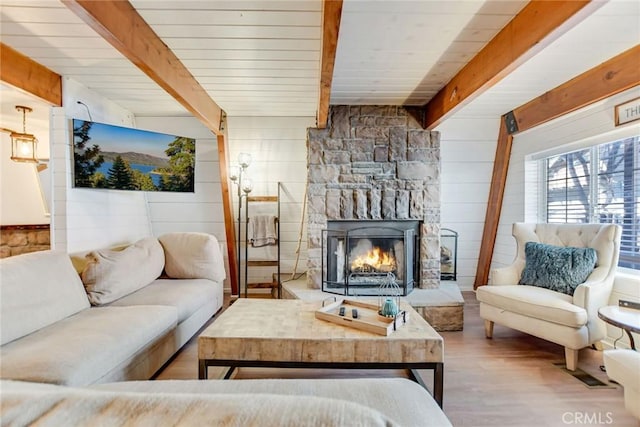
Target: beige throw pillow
112 274
193 256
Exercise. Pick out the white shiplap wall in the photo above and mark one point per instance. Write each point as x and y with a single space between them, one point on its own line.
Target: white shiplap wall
279 151
586 127
84 219
200 211
467 149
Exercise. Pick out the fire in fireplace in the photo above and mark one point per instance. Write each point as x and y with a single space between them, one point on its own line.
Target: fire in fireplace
359 255
366 258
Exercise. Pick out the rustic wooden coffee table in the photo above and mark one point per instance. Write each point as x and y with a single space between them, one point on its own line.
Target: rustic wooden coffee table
286 334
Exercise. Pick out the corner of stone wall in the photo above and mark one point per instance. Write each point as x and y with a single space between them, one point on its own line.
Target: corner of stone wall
17 240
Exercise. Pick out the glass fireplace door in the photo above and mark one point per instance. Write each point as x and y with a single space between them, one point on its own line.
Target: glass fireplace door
359 259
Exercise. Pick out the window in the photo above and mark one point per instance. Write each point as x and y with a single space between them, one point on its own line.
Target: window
599 184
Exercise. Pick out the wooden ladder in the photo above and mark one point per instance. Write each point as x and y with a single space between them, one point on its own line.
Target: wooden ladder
274 285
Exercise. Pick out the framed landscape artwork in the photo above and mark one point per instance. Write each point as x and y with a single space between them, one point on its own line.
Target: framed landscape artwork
119 158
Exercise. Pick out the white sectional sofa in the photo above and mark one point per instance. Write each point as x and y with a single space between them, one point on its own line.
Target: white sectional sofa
71 344
117 320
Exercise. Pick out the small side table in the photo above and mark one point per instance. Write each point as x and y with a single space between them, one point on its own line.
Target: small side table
626 318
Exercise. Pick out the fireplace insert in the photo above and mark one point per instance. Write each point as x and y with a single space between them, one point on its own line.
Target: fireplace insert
359 255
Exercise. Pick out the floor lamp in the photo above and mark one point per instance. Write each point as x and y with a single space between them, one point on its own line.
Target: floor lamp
244 186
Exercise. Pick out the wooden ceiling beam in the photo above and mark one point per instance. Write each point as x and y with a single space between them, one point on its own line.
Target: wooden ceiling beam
121 25
331 14
494 204
29 76
616 75
538 24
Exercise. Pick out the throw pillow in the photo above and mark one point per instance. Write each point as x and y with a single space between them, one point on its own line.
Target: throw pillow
558 268
193 256
112 274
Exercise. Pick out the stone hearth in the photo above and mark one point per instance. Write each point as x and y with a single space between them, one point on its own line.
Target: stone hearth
442 307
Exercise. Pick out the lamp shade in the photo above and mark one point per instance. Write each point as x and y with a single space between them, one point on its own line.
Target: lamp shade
23 147
234 173
244 160
247 186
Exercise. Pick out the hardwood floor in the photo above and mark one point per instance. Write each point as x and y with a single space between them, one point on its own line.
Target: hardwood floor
510 380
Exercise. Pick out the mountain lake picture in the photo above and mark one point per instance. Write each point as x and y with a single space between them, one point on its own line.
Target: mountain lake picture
119 158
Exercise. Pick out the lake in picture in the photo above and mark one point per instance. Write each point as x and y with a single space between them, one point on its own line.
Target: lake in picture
146 169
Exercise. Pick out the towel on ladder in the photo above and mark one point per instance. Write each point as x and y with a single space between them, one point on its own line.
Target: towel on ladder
262 230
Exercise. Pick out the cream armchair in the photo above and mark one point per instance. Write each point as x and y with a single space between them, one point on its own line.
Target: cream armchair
571 321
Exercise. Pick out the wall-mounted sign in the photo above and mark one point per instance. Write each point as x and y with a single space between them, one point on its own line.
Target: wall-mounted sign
627 112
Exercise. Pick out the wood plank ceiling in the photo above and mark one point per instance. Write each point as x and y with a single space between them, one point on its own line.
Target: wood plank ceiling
252 57
262 57
404 52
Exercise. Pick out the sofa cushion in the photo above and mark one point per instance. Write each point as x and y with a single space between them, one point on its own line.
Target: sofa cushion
112 274
35 404
38 289
85 347
193 256
186 295
402 400
532 301
557 268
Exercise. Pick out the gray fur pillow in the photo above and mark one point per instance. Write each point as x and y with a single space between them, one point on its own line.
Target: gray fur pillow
558 268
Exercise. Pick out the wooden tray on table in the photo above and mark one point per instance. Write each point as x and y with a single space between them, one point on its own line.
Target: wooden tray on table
368 318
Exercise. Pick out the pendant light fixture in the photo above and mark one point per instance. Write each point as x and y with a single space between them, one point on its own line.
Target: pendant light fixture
23 145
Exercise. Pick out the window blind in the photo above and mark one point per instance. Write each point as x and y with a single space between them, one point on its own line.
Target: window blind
599 184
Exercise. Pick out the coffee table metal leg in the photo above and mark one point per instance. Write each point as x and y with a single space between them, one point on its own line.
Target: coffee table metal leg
202 370
229 372
438 381
415 377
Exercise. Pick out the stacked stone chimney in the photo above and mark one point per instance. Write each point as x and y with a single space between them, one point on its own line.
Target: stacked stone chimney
374 162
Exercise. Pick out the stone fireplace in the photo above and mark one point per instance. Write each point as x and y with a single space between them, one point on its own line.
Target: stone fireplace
372 164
